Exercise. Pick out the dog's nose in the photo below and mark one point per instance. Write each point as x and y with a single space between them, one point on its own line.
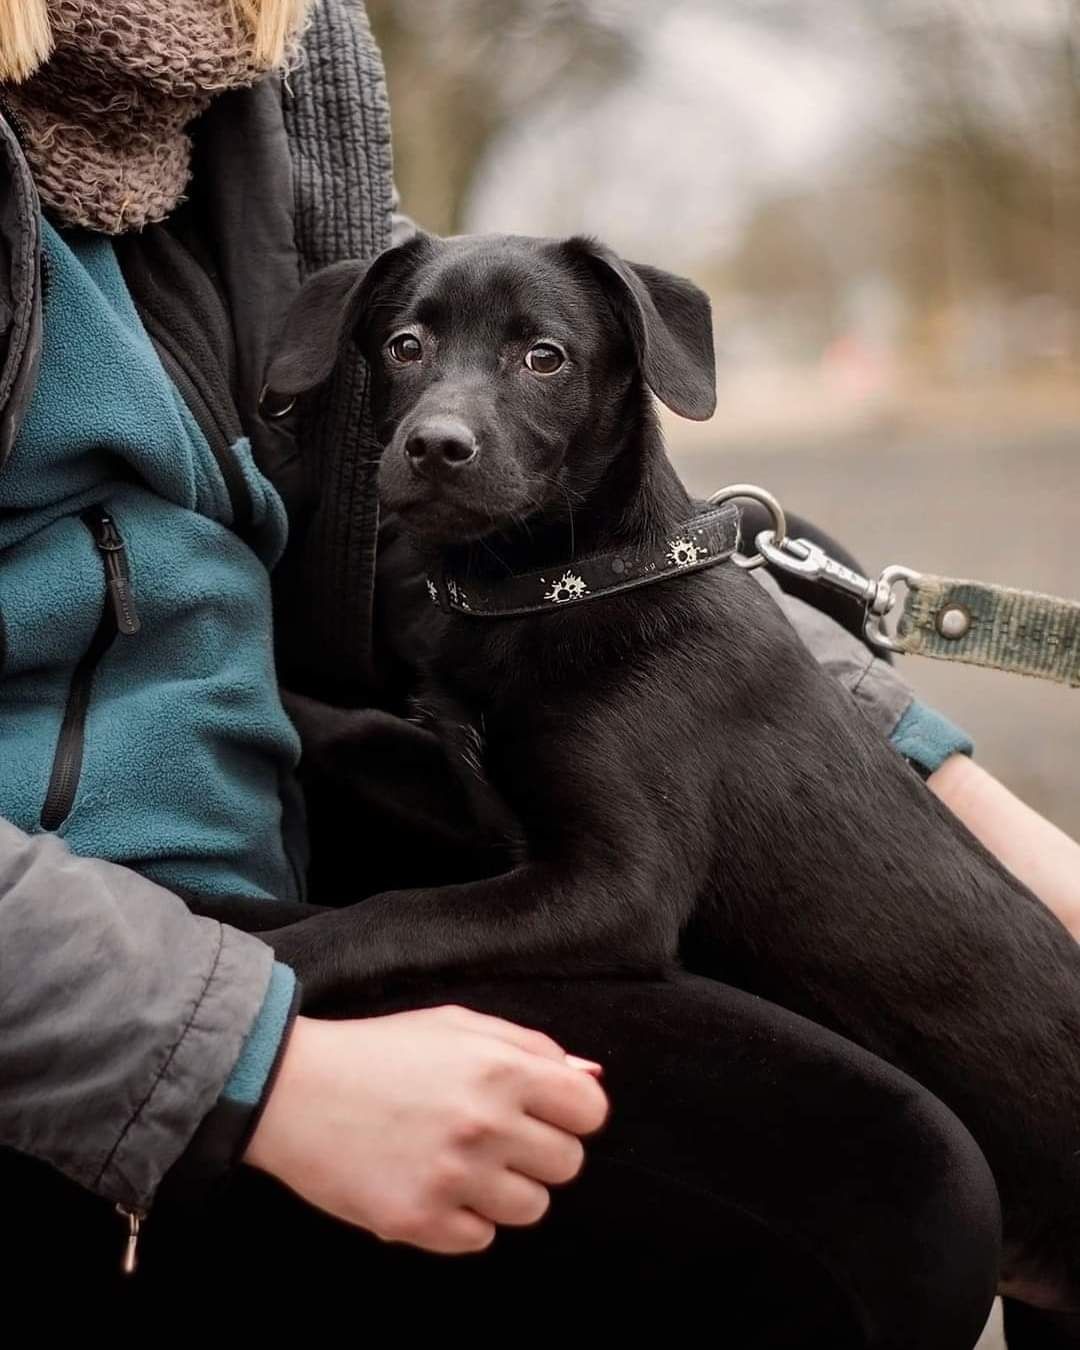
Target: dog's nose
439 445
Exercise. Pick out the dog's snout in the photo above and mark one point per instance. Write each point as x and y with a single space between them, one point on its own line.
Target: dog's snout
440 445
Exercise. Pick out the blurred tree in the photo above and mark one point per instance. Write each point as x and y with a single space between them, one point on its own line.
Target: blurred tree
993 154
461 71
971 192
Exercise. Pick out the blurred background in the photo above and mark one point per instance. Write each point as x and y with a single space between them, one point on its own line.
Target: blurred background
882 198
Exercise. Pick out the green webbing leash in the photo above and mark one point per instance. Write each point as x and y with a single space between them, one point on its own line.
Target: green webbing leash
947 618
1019 631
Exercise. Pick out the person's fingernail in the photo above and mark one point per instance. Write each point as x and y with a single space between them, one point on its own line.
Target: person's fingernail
585 1065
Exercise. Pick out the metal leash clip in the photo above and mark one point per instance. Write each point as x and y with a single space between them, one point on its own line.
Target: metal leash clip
802 557
947 618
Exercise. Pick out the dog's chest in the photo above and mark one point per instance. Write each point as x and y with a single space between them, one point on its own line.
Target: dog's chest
468 746
461 728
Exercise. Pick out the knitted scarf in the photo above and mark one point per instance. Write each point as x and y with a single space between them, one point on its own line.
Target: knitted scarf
104 121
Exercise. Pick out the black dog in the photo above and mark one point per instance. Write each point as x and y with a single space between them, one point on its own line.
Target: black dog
664 773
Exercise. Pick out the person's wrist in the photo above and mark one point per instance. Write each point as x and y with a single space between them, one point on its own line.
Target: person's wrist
221 1141
267 1146
956 782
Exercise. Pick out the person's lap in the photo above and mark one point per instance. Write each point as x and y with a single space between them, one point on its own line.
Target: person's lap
756 1168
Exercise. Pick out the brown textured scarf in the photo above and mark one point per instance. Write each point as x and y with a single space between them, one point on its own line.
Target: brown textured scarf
104 120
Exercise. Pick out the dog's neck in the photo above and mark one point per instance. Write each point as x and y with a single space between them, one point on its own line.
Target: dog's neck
637 502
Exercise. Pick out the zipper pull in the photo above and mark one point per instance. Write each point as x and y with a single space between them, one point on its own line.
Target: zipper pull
135 1219
111 546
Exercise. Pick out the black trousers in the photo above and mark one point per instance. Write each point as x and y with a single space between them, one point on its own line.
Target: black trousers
757 1171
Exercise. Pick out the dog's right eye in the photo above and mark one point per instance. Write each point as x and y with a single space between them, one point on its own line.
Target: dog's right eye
405 348
544 358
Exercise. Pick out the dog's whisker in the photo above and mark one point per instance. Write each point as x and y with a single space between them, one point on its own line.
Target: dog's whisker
568 495
570 513
489 550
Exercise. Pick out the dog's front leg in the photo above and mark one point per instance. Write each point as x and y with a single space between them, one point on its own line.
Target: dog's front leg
540 918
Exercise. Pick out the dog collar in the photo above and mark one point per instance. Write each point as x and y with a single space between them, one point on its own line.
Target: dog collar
701 542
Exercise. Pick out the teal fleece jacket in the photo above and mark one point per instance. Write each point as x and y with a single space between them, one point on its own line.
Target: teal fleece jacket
185 744
184 747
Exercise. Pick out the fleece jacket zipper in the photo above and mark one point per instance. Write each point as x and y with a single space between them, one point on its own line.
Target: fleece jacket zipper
118 615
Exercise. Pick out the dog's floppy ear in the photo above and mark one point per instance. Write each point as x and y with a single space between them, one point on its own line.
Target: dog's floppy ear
326 313
670 322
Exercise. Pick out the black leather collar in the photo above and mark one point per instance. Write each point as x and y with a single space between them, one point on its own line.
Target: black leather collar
701 542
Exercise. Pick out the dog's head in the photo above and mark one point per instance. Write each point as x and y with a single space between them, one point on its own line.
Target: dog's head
503 368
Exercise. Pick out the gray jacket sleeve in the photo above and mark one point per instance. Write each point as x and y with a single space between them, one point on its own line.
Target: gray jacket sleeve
121 1016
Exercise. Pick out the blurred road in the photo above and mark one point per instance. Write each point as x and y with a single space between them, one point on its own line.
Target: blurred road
1002 507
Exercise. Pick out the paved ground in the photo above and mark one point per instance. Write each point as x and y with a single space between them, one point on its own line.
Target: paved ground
996 507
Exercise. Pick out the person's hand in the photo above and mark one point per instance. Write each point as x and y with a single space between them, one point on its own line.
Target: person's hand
427 1127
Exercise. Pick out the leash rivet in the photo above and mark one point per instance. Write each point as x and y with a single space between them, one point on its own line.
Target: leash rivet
954 622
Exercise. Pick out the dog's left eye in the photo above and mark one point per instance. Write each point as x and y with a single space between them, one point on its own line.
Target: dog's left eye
405 348
544 358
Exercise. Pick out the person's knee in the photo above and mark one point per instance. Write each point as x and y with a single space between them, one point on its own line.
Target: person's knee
946 1239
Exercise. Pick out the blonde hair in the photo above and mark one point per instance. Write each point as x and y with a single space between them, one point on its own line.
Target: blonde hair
274 23
26 37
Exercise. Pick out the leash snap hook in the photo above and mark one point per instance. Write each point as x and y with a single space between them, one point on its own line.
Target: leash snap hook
804 558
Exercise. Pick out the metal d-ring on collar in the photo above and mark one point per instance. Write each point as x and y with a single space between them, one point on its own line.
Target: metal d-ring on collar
751 492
